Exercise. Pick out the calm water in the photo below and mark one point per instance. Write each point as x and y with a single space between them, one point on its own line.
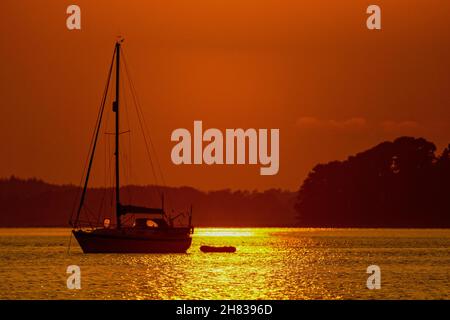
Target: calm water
269 264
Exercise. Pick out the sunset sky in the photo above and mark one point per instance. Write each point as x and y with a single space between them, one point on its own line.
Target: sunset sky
310 68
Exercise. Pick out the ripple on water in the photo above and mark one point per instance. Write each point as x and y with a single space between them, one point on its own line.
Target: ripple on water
269 264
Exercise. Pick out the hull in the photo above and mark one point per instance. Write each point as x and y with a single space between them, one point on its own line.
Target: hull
123 241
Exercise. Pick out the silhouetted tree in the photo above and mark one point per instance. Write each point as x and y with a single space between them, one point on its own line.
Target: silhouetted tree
394 184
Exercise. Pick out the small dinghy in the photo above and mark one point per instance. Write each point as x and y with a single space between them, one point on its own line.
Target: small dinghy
217 249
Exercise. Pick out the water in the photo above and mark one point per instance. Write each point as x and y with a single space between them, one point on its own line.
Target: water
269 264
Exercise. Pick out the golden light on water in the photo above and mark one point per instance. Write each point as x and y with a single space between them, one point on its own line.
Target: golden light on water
224 232
269 263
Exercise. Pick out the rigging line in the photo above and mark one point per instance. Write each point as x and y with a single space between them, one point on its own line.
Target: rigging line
70 242
96 137
110 185
138 105
87 158
107 151
156 186
145 131
130 154
141 122
90 148
127 156
106 155
126 177
93 147
106 174
100 209
111 172
141 125
146 128
79 189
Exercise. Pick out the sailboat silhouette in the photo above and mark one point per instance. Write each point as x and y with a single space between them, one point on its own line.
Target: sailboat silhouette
153 234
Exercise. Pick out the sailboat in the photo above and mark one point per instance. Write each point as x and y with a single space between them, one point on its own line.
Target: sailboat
153 233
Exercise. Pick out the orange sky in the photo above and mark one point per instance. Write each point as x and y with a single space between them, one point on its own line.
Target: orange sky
310 68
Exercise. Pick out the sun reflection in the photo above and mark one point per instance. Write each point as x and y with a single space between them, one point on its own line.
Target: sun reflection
224 232
268 264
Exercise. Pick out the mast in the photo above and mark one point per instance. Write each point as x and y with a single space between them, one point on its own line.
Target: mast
116 153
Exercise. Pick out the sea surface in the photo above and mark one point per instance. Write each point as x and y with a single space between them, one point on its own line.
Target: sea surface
270 263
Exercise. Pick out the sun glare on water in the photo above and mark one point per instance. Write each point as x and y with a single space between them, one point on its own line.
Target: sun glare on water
224 232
